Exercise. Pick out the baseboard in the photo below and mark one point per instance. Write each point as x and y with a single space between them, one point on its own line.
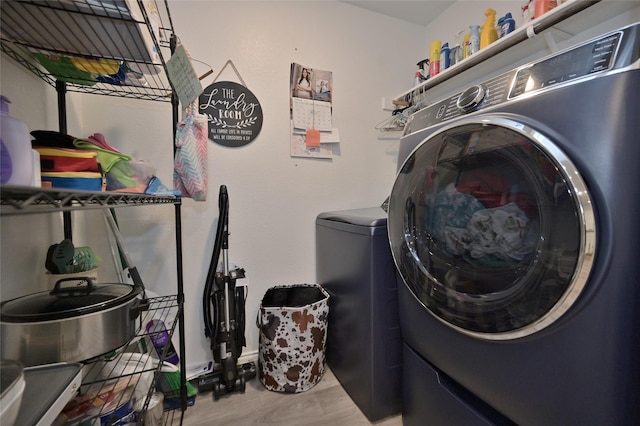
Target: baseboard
201 369
249 357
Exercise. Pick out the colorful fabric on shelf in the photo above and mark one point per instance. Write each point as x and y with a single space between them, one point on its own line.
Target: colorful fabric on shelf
106 157
67 160
63 69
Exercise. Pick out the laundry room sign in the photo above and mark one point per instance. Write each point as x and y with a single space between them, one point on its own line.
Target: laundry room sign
233 112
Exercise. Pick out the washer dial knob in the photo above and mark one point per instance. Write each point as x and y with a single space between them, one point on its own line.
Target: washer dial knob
471 98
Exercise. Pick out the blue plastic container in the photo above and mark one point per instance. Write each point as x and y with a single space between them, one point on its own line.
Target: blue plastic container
444 57
508 25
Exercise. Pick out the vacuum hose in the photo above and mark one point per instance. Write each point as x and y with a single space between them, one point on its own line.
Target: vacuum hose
211 325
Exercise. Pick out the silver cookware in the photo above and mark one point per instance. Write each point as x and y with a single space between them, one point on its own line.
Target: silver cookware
69 324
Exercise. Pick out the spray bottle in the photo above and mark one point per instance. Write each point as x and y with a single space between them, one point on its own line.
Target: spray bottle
489 33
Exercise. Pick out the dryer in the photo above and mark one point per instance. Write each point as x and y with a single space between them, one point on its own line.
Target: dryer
513 224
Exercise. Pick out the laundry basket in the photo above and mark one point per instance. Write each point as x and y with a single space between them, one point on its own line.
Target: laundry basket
293 333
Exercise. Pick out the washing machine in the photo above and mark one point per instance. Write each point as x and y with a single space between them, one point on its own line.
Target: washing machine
513 224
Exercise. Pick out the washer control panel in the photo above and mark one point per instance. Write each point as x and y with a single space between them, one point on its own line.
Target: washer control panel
593 57
573 64
490 93
471 98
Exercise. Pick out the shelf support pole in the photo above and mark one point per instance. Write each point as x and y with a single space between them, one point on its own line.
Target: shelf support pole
61 90
173 42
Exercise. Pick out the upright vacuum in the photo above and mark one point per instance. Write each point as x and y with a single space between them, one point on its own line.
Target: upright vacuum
224 315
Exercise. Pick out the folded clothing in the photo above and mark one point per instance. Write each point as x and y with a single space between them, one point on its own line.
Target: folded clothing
89 181
67 160
52 139
99 140
107 157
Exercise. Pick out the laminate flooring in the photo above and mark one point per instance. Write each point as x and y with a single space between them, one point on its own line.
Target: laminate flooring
327 403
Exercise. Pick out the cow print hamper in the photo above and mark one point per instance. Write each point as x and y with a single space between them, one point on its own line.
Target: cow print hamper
293 333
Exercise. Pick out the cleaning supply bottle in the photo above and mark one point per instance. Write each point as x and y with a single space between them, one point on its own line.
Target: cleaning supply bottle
160 338
16 155
527 11
444 57
423 67
543 6
474 39
508 25
417 81
434 58
489 33
466 46
499 26
457 52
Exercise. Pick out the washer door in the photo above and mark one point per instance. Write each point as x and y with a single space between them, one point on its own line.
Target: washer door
491 228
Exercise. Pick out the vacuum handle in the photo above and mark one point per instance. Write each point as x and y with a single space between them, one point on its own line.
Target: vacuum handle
223 197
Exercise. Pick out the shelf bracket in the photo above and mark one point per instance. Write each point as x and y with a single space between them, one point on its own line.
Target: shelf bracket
551 43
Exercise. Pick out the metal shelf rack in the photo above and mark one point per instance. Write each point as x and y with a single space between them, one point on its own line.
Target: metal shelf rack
25 200
130 37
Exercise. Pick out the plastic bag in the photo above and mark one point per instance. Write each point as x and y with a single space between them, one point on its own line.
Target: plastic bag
190 164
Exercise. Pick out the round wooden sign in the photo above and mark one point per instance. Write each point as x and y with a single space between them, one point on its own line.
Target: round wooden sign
233 112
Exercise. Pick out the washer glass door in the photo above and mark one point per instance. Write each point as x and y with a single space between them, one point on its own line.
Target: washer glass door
491 228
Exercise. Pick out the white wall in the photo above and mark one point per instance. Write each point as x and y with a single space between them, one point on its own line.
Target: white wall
25 239
274 198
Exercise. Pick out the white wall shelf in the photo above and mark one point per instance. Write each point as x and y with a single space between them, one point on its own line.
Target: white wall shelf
541 34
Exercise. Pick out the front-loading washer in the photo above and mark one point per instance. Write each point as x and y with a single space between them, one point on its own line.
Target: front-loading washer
513 223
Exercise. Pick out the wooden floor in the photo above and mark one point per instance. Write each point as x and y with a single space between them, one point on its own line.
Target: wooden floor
326 403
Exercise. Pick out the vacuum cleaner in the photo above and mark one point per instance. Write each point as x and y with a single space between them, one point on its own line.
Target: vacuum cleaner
224 315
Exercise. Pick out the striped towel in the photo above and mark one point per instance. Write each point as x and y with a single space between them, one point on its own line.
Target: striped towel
190 163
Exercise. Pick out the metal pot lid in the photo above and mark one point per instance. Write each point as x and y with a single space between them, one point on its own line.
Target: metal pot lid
66 302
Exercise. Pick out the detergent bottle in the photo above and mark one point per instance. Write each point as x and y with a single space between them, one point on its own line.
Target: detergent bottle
508 25
499 26
16 155
489 33
160 338
444 57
